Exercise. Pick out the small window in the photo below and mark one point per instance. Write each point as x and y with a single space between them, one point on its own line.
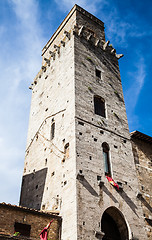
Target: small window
99 106
106 159
66 150
98 73
23 229
52 130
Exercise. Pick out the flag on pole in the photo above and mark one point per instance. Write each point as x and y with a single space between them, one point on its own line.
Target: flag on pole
44 232
112 182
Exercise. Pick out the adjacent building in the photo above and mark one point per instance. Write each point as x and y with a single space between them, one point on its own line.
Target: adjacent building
24 223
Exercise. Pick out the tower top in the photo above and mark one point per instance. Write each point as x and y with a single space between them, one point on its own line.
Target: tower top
62 25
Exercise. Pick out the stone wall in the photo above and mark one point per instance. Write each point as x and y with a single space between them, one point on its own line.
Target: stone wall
53 102
74 180
142 151
35 220
93 130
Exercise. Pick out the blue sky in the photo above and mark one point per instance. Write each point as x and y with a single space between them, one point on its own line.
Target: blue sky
25 27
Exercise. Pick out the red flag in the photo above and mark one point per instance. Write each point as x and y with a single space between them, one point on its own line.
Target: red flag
112 182
43 234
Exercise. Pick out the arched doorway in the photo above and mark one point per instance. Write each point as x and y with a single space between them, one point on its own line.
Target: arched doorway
113 225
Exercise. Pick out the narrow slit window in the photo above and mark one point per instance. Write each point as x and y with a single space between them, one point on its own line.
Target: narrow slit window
98 73
66 150
52 130
106 159
99 106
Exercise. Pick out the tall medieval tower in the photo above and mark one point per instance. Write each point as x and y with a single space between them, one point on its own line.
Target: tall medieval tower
78 135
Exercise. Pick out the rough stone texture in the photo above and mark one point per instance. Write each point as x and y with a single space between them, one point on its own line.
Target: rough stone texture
142 151
53 101
93 201
38 220
63 93
35 183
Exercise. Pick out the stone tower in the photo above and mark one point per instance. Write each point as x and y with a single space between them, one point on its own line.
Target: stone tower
78 136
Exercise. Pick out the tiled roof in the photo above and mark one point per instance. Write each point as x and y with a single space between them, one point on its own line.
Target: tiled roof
20 208
142 136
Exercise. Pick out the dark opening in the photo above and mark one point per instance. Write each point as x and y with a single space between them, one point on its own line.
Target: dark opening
81 123
52 130
23 229
46 161
66 150
99 106
109 227
106 159
113 225
98 73
98 178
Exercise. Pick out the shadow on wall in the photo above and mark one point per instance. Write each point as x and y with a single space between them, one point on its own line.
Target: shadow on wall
109 194
147 205
125 197
32 189
87 185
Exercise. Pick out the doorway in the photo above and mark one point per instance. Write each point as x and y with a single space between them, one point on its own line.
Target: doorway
113 225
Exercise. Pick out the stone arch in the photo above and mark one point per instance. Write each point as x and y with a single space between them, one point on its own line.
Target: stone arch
114 225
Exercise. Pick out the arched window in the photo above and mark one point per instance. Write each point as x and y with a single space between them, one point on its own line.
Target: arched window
106 158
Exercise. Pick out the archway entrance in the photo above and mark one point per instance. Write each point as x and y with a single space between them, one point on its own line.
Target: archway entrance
113 225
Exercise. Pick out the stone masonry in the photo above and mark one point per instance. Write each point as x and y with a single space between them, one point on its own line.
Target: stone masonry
64 166
142 150
32 221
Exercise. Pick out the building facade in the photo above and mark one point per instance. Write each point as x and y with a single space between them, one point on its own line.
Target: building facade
78 137
27 223
142 150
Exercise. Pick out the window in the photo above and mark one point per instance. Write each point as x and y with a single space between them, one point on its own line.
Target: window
106 159
66 150
23 229
98 73
52 130
99 106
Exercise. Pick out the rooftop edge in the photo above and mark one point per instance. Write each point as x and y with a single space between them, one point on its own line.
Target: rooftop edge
142 136
20 208
75 7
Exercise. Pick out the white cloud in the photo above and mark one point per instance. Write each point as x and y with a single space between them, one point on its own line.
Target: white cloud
119 28
133 92
20 60
91 6
138 77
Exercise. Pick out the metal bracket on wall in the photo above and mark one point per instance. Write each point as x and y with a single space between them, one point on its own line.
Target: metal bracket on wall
100 183
139 194
80 174
99 235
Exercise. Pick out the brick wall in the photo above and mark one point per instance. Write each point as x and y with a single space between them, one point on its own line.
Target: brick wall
36 219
